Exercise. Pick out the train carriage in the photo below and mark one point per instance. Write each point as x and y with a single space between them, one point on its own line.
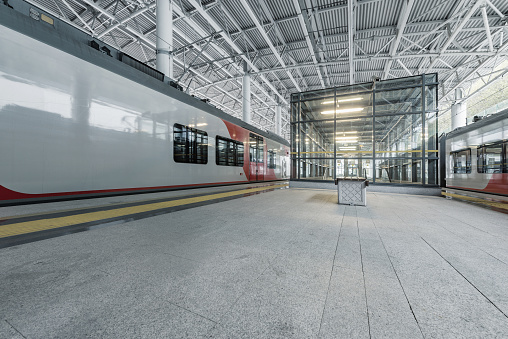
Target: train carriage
476 158
79 118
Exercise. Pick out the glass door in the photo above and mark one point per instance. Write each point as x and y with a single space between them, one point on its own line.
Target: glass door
256 157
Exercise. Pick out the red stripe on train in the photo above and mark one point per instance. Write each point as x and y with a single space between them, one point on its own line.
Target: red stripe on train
8 194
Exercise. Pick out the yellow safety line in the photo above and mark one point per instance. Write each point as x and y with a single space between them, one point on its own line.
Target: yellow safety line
47 224
338 151
477 200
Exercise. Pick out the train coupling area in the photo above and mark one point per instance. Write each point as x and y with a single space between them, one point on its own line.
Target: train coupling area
17 228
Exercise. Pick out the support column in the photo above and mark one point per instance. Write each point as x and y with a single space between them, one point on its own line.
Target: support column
164 43
246 94
459 110
278 120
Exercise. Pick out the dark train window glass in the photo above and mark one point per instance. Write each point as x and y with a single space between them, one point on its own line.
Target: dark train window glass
241 149
229 152
490 158
461 161
271 159
190 145
505 160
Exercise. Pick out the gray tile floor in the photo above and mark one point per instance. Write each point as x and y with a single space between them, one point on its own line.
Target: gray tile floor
285 264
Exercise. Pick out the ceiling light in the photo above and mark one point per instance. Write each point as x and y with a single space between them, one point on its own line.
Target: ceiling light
346 110
347 138
341 100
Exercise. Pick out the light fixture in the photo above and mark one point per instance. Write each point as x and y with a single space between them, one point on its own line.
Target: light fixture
347 138
346 110
351 99
349 132
341 100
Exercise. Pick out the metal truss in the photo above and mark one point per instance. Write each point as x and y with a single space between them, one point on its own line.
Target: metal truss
296 45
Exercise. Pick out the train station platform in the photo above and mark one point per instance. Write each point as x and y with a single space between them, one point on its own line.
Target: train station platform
264 262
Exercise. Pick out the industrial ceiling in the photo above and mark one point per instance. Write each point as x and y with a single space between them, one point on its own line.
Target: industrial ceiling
300 45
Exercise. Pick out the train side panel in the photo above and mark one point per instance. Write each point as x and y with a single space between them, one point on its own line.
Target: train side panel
470 140
70 127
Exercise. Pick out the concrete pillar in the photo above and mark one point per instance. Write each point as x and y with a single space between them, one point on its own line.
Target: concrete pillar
278 120
164 42
246 94
459 110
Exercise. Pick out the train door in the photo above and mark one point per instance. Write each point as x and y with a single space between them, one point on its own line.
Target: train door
256 155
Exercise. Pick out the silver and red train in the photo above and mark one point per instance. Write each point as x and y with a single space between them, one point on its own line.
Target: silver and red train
80 119
476 158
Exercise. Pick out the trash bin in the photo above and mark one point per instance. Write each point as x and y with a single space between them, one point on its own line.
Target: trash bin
352 191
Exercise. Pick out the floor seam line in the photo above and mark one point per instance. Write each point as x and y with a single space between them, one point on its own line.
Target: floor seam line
15 329
331 273
463 276
398 279
363 272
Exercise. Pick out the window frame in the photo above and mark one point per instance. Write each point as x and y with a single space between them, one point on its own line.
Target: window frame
272 159
192 148
236 147
468 161
483 167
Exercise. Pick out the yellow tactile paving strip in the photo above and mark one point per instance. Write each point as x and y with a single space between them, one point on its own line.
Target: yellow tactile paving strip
499 205
48 224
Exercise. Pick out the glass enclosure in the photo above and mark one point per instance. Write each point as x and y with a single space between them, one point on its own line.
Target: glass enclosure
384 131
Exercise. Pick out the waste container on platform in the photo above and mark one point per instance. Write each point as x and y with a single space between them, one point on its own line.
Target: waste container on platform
352 191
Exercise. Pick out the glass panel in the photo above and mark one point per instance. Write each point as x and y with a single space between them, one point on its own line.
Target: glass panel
261 151
398 136
240 151
294 168
398 83
316 139
400 171
347 168
295 139
490 159
353 138
202 147
399 101
354 88
179 143
430 78
461 161
316 169
431 98
431 173
271 159
253 148
231 154
295 112
431 133
505 167
221 151
318 94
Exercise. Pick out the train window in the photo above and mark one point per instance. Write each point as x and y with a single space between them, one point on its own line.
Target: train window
461 161
228 152
505 161
190 145
271 159
490 158
261 151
